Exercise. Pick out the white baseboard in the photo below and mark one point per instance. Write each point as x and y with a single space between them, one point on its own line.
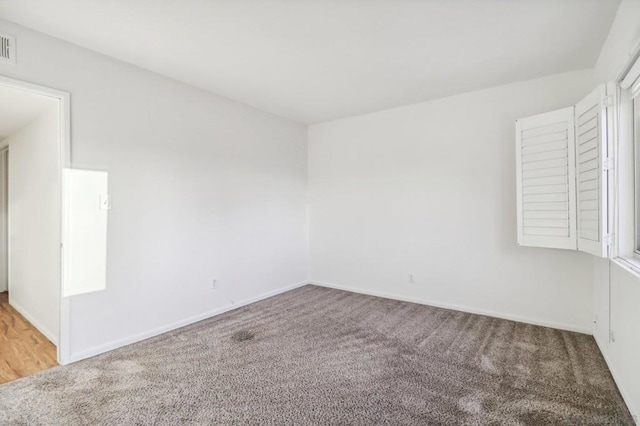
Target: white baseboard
568 327
37 324
616 378
97 350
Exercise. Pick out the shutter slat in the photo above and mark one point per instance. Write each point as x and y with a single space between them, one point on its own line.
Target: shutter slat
589 184
588 136
588 205
549 146
550 232
547 223
545 189
588 166
552 180
587 114
546 164
591 194
592 154
589 215
589 224
547 155
588 125
544 139
554 171
588 176
592 144
561 206
545 129
590 235
546 214
544 198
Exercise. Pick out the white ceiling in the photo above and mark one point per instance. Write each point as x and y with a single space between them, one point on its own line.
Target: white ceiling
318 60
18 108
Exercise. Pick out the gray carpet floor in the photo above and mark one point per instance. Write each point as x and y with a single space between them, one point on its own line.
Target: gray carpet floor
321 356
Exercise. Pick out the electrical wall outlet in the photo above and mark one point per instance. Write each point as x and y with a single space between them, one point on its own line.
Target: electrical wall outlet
411 280
612 336
214 283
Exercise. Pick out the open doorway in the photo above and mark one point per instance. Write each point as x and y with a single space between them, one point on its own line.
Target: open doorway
33 138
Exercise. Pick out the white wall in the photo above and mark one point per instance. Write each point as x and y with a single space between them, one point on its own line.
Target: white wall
34 221
201 186
623 354
619 313
429 189
621 43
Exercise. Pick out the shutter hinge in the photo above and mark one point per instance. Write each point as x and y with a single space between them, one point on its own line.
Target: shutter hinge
608 239
607 101
608 164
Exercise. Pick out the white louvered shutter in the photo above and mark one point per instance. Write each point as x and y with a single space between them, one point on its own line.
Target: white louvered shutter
591 172
545 168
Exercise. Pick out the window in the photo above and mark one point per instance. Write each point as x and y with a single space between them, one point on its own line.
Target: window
627 191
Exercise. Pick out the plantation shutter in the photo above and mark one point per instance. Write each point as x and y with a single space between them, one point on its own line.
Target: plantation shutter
545 168
592 171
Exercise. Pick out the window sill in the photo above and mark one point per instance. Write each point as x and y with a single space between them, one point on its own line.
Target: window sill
629 264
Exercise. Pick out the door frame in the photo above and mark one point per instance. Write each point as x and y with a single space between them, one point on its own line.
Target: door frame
64 161
4 199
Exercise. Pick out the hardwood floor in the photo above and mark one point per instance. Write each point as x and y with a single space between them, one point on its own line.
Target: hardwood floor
23 349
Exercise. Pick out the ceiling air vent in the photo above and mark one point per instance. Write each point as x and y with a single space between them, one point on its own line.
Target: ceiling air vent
7 49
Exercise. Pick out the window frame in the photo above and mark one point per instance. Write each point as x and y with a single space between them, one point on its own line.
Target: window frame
634 129
625 188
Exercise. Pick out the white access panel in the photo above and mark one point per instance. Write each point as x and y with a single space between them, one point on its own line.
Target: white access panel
86 203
